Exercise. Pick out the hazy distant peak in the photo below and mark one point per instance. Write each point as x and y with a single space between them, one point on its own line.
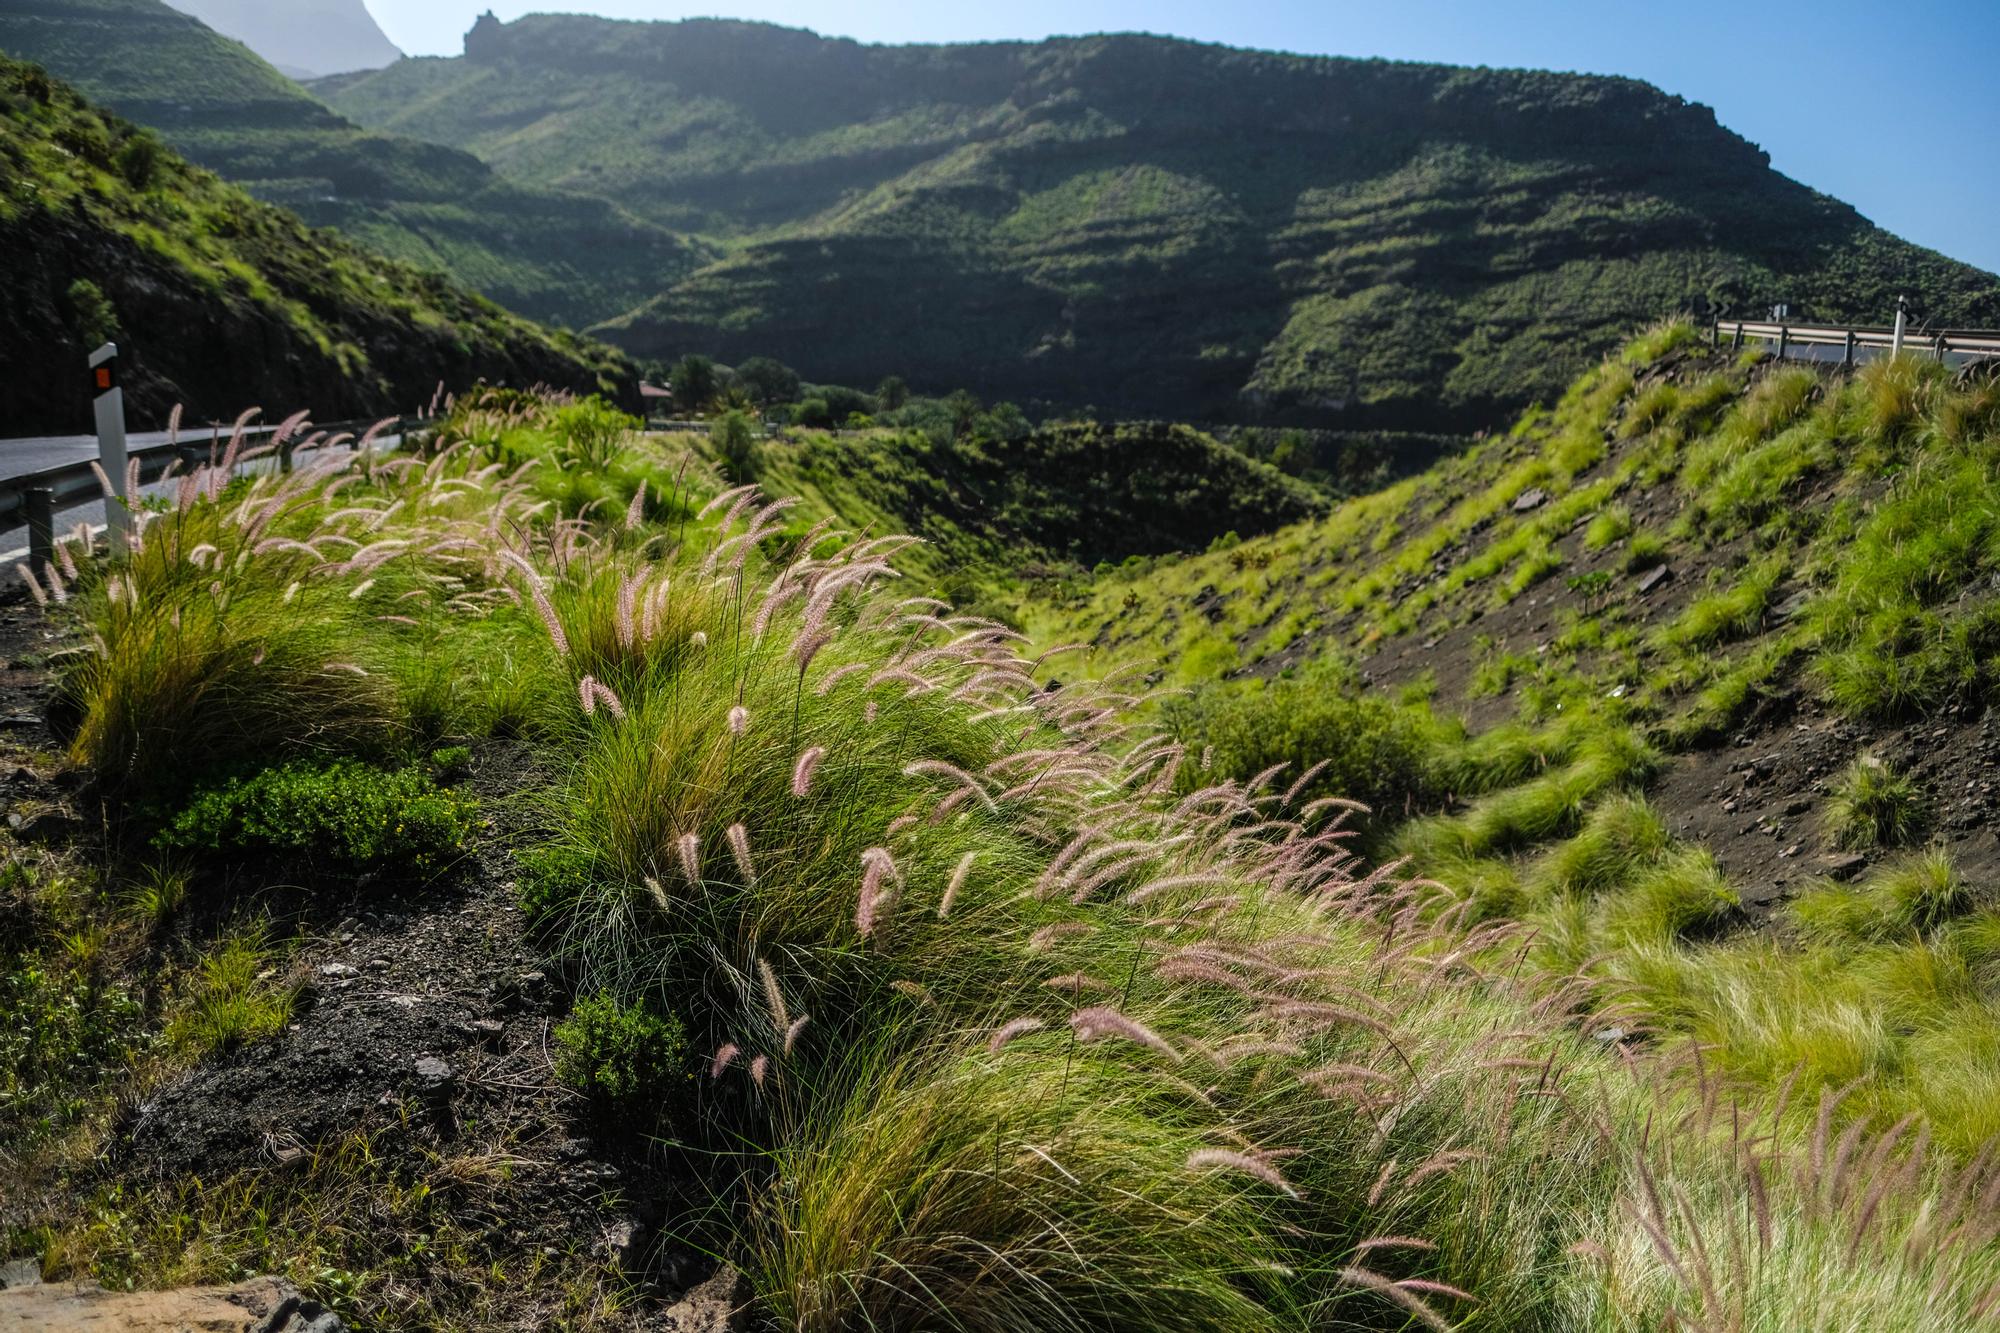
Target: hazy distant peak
304 38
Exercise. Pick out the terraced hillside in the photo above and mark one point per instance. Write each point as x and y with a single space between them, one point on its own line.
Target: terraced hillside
220 300
551 255
1693 673
1154 227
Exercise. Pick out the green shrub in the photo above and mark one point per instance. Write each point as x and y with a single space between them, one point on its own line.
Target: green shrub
553 877
735 446
59 1030
1873 805
629 1060
1375 751
347 815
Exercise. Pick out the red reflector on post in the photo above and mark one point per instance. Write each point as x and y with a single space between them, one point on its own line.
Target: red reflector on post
104 377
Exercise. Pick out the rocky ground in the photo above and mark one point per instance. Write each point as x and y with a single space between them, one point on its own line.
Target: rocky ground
419 1037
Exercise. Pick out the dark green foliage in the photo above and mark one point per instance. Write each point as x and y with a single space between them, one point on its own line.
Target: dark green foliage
96 321
735 446
1380 753
345 815
892 393
139 161
694 383
631 1061
550 255
1070 491
59 1032
768 381
189 265
814 414
1310 240
553 876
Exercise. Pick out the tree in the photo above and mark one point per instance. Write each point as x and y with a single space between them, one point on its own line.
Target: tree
694 383
963 407
139 160
814 413
735 446
892 393
768 381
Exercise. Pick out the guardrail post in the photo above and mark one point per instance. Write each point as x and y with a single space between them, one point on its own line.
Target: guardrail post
111 440
285 448
1736 343
1902 314
1784 340
1847 358
41 506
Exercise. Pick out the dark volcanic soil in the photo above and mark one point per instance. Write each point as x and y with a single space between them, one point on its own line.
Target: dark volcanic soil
421 1025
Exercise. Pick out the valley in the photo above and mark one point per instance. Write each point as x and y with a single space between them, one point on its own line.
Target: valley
1205 698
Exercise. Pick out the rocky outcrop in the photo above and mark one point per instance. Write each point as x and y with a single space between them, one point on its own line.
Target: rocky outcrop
261 1305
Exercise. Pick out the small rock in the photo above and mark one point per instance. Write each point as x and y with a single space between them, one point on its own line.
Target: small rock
48 826
1792 850
338 970
1654 577
1729 806
1843 865
1532 498
1797 807
719 1305
21 1273
434 1072
1609 1035
378 965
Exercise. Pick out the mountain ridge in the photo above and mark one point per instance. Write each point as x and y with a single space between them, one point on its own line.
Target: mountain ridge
1148 225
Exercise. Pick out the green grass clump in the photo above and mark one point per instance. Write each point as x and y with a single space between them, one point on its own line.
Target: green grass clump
1612 524
230 1002
629 1060
1872 804
346 815
1731 613
1907 897
1622 834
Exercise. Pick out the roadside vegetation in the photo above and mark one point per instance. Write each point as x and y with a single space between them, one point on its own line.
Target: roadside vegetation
991 1006
1822 552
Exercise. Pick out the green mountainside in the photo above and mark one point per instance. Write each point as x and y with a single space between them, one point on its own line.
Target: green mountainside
1151 226
1694 675
220 299
548 254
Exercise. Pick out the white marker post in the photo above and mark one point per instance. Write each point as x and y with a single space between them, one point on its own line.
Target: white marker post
1902 316
111 440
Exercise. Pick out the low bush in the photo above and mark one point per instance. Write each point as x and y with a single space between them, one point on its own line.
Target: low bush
631 1061
345 815
1377 752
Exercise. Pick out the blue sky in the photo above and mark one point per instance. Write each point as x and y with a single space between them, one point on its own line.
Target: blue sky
1893 106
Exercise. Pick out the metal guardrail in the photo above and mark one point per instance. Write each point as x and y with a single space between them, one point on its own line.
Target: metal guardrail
1859 343
41 495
